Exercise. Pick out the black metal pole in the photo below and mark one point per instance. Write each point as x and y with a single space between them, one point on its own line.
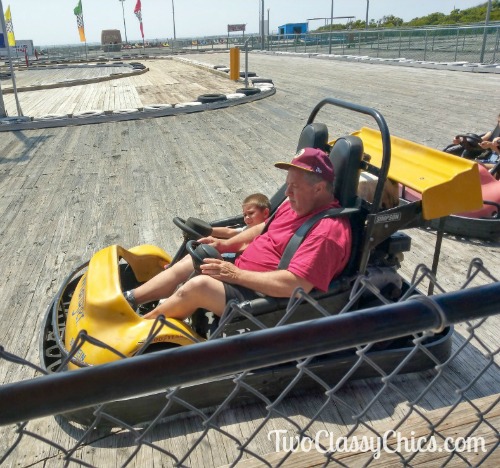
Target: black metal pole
331 27
124 24
262 25
155 372
485 33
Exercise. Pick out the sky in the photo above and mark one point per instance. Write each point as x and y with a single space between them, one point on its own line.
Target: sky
52 22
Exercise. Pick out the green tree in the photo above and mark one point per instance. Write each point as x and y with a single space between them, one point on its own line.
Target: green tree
475 14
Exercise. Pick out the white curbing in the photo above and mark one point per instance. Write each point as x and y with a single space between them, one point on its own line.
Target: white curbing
97 116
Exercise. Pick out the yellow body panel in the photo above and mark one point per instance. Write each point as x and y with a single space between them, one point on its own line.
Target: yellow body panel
448 184
99 307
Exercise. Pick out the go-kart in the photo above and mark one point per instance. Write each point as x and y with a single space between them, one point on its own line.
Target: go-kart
91 299
469 147
482 222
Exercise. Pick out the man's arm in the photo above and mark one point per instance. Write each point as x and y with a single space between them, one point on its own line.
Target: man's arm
279 283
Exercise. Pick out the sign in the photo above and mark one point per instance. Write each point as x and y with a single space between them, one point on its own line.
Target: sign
235 27
25 47
3 37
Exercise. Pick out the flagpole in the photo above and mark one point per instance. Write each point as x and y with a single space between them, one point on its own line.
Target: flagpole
2 105
12 74
86 54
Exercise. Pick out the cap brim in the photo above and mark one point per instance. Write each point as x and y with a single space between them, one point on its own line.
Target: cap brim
285 165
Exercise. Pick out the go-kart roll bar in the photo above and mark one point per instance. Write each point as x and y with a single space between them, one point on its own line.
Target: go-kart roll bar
384 132
384 166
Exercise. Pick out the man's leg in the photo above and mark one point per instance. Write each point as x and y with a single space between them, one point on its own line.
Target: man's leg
163 284
199 292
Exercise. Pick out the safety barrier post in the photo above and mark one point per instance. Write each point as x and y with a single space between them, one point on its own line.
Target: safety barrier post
234 63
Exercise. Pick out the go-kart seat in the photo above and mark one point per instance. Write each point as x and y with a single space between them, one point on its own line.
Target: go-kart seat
347 156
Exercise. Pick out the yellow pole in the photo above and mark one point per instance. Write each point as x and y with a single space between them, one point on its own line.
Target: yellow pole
234 63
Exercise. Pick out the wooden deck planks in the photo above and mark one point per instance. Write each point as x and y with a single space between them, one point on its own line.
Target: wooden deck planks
66 192
167 82
414 428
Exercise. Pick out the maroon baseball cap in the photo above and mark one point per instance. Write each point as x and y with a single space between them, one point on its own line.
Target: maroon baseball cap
311 160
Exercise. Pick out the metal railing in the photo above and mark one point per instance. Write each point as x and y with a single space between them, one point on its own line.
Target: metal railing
450 44
473 44
197 409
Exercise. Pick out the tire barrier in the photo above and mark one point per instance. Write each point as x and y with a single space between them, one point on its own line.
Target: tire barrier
188 104
473 67
87 114
52 117
14 120
264 86
125 111
248 91
235 96
156 107
249 74
207 98
262 80
242 95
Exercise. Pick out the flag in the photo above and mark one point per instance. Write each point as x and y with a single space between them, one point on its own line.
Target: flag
138 13
79 20
10 28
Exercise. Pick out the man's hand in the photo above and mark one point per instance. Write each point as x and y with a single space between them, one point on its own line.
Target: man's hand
220 270
214 242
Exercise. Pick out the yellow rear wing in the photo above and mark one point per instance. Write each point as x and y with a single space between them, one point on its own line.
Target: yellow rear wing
448 184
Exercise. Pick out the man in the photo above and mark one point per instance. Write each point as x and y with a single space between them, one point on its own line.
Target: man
489 145
322 255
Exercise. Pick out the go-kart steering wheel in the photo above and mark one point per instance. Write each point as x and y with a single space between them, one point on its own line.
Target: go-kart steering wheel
470 141
193 227
199 252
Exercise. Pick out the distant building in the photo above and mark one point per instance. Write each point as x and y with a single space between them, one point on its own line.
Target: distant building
293 28
111 40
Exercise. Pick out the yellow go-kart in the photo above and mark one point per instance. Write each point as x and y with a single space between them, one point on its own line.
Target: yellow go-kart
91 299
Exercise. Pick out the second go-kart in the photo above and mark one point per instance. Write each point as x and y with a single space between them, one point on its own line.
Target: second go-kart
482 222
91 299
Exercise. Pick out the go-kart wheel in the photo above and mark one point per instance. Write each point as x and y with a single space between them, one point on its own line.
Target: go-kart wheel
470 141
199 252
194 228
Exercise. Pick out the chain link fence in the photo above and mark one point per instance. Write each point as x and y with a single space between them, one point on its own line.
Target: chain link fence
472 44
352 395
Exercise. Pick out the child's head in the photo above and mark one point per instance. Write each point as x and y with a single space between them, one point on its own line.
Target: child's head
256 209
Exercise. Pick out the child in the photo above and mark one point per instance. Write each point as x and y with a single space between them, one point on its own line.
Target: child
256 209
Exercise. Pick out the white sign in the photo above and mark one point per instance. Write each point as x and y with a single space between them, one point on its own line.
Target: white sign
21 48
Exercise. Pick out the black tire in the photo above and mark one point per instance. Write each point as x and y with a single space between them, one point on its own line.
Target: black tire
248 91
219 66
207 98
249 74
262 80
